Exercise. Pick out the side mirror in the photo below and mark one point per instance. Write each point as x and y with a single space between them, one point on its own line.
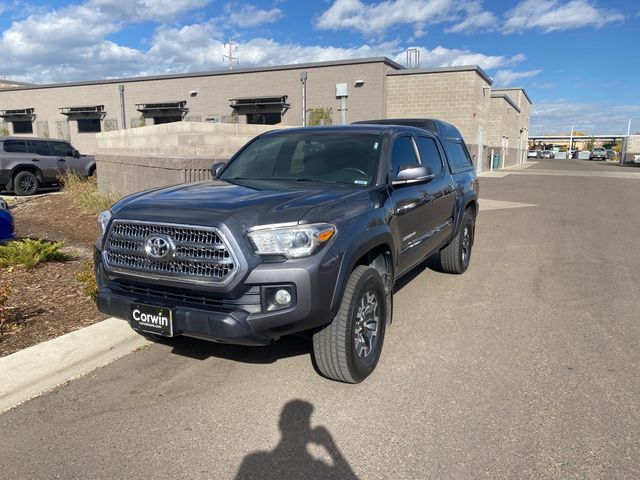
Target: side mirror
75 153
216 169
412 173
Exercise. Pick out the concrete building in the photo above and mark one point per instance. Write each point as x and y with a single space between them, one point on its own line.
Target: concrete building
372 88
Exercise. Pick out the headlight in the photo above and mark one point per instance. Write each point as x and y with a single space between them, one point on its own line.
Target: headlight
103 221
291 242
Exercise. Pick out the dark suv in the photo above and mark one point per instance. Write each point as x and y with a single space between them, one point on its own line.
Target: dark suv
303 230
26 163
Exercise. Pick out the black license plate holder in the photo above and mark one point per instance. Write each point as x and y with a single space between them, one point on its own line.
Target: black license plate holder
151 319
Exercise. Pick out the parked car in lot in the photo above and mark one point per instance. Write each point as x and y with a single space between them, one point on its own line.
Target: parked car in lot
26 163
611 153
547 154
598 153
303 230
533 154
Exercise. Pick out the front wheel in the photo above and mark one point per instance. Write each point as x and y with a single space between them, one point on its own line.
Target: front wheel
348 349
455 257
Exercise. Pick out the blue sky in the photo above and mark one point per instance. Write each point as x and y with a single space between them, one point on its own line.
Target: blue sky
577 59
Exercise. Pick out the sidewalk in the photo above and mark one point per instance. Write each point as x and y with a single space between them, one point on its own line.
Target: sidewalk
36 370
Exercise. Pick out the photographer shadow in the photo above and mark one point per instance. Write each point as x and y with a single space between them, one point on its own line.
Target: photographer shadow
291 458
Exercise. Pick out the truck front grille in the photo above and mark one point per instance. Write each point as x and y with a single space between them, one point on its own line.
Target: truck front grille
199 254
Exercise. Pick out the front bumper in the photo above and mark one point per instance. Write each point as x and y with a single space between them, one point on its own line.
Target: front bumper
230 321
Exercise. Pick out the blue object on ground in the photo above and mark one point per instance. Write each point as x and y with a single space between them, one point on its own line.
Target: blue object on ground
6 225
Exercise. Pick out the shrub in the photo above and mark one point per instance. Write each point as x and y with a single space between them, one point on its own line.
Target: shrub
85 194
320 116
29 253
87 277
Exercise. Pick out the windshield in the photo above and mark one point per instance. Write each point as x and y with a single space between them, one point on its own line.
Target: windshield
331 157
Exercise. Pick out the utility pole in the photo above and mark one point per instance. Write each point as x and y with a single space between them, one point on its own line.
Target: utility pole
303 80
231 47
629 128
570 143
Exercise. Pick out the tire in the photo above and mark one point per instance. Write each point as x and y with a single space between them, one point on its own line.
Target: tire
455 257
25 183
344 350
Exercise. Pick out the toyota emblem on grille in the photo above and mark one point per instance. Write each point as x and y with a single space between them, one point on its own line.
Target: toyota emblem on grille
159 247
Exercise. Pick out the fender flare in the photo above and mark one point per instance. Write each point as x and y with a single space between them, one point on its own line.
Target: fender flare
369 240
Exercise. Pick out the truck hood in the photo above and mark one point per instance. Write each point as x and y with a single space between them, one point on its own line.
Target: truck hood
248 204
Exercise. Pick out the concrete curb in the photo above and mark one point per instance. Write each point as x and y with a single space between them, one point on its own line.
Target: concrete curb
36 370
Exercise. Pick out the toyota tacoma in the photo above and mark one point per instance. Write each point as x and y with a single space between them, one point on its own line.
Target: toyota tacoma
302 230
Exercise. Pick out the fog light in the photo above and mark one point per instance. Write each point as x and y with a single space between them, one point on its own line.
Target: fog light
282 297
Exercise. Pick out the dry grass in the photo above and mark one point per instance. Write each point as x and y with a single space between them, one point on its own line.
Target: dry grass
87 277
85 193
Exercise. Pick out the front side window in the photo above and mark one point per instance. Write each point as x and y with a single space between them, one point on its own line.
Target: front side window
403 154
429 154
309 157
61 149
89 125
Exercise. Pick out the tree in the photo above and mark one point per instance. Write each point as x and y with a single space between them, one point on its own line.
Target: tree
591 143
320 116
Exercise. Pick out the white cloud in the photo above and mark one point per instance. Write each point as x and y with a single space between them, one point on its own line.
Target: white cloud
552 116
504 78
46 47
452 57
378 17
553 15
477 20
145 10
251 16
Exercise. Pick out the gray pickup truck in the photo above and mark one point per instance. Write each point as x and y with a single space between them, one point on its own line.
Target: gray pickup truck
303 230
26 163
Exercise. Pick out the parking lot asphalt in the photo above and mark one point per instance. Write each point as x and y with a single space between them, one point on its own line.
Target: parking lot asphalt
526 366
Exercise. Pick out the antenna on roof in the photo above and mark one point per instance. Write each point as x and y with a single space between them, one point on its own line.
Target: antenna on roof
413 58
231 46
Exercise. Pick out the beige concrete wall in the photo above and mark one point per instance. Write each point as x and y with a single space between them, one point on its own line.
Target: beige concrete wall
633 150
137 159
212 99
505 121
519 97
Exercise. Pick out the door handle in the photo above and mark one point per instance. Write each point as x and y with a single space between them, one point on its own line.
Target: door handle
61 160
448 190
35 159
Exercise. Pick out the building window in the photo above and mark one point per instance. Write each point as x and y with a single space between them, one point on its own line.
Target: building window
22 126
89 125
167 119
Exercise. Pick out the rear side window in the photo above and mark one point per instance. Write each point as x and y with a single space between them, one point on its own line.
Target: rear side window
429 154
15 146
38 147
61 149
403 153
458 156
